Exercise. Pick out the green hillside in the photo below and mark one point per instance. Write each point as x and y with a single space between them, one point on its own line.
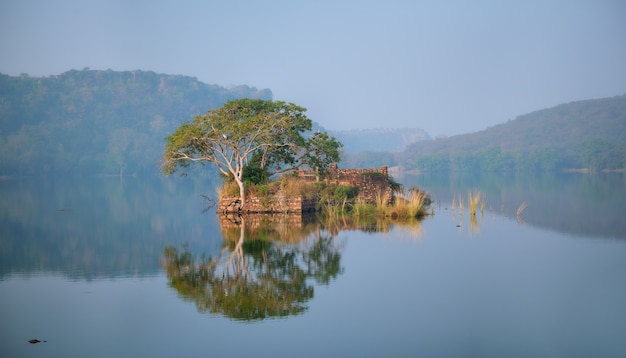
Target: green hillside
98 122
587 134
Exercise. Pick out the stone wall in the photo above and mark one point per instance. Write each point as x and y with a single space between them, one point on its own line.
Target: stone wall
372 183
278 203
344 176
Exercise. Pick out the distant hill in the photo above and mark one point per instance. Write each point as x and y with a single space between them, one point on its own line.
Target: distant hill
114 122
379 140
99 122
584 134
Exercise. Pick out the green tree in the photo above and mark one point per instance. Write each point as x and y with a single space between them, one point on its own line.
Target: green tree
277 134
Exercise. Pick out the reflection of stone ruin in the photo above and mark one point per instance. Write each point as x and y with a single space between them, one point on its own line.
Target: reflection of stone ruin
286 228
373 184
294 227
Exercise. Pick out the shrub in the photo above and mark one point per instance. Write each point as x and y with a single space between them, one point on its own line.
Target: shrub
253 174
230 188
263 189
346 192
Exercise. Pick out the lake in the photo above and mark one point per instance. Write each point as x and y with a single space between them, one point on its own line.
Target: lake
110 267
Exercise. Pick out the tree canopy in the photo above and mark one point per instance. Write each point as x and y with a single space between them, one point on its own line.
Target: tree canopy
272 136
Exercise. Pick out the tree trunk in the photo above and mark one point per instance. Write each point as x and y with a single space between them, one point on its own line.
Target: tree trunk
242 193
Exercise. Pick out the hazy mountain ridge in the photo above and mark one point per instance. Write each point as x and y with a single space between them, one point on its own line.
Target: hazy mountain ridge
99 122
576 134
112 122
559 126
73 94
379 139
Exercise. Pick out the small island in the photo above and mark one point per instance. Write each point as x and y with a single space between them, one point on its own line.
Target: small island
272 162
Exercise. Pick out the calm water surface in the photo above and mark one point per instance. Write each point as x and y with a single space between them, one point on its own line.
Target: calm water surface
85 266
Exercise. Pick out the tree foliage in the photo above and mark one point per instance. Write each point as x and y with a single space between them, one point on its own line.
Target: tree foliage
271 136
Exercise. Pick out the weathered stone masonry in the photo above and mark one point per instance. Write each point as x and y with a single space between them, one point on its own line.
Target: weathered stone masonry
373 184
279 203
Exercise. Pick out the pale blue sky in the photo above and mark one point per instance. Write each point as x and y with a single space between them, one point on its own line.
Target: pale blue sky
448 67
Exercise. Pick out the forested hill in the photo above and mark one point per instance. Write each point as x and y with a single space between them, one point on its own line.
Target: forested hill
99 122
584 134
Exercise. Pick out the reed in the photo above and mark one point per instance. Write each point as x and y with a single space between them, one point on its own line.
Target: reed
334 213
520 209
518 213
382 209
409 204
416 203
399 209
474 200
363 209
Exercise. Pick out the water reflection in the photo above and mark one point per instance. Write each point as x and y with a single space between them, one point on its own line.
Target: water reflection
97 227
572 203
266 271
372 224
473 224
441 297
269 264
91 228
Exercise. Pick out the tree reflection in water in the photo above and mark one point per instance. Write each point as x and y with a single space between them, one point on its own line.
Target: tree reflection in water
255 277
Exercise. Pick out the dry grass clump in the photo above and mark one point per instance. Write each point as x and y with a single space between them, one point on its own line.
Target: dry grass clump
474 201
410 204
229 188
292 186
288 185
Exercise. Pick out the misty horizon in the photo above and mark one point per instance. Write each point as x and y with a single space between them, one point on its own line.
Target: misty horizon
446 68
375 129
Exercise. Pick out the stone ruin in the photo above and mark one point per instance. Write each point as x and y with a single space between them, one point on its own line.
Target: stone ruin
373 184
